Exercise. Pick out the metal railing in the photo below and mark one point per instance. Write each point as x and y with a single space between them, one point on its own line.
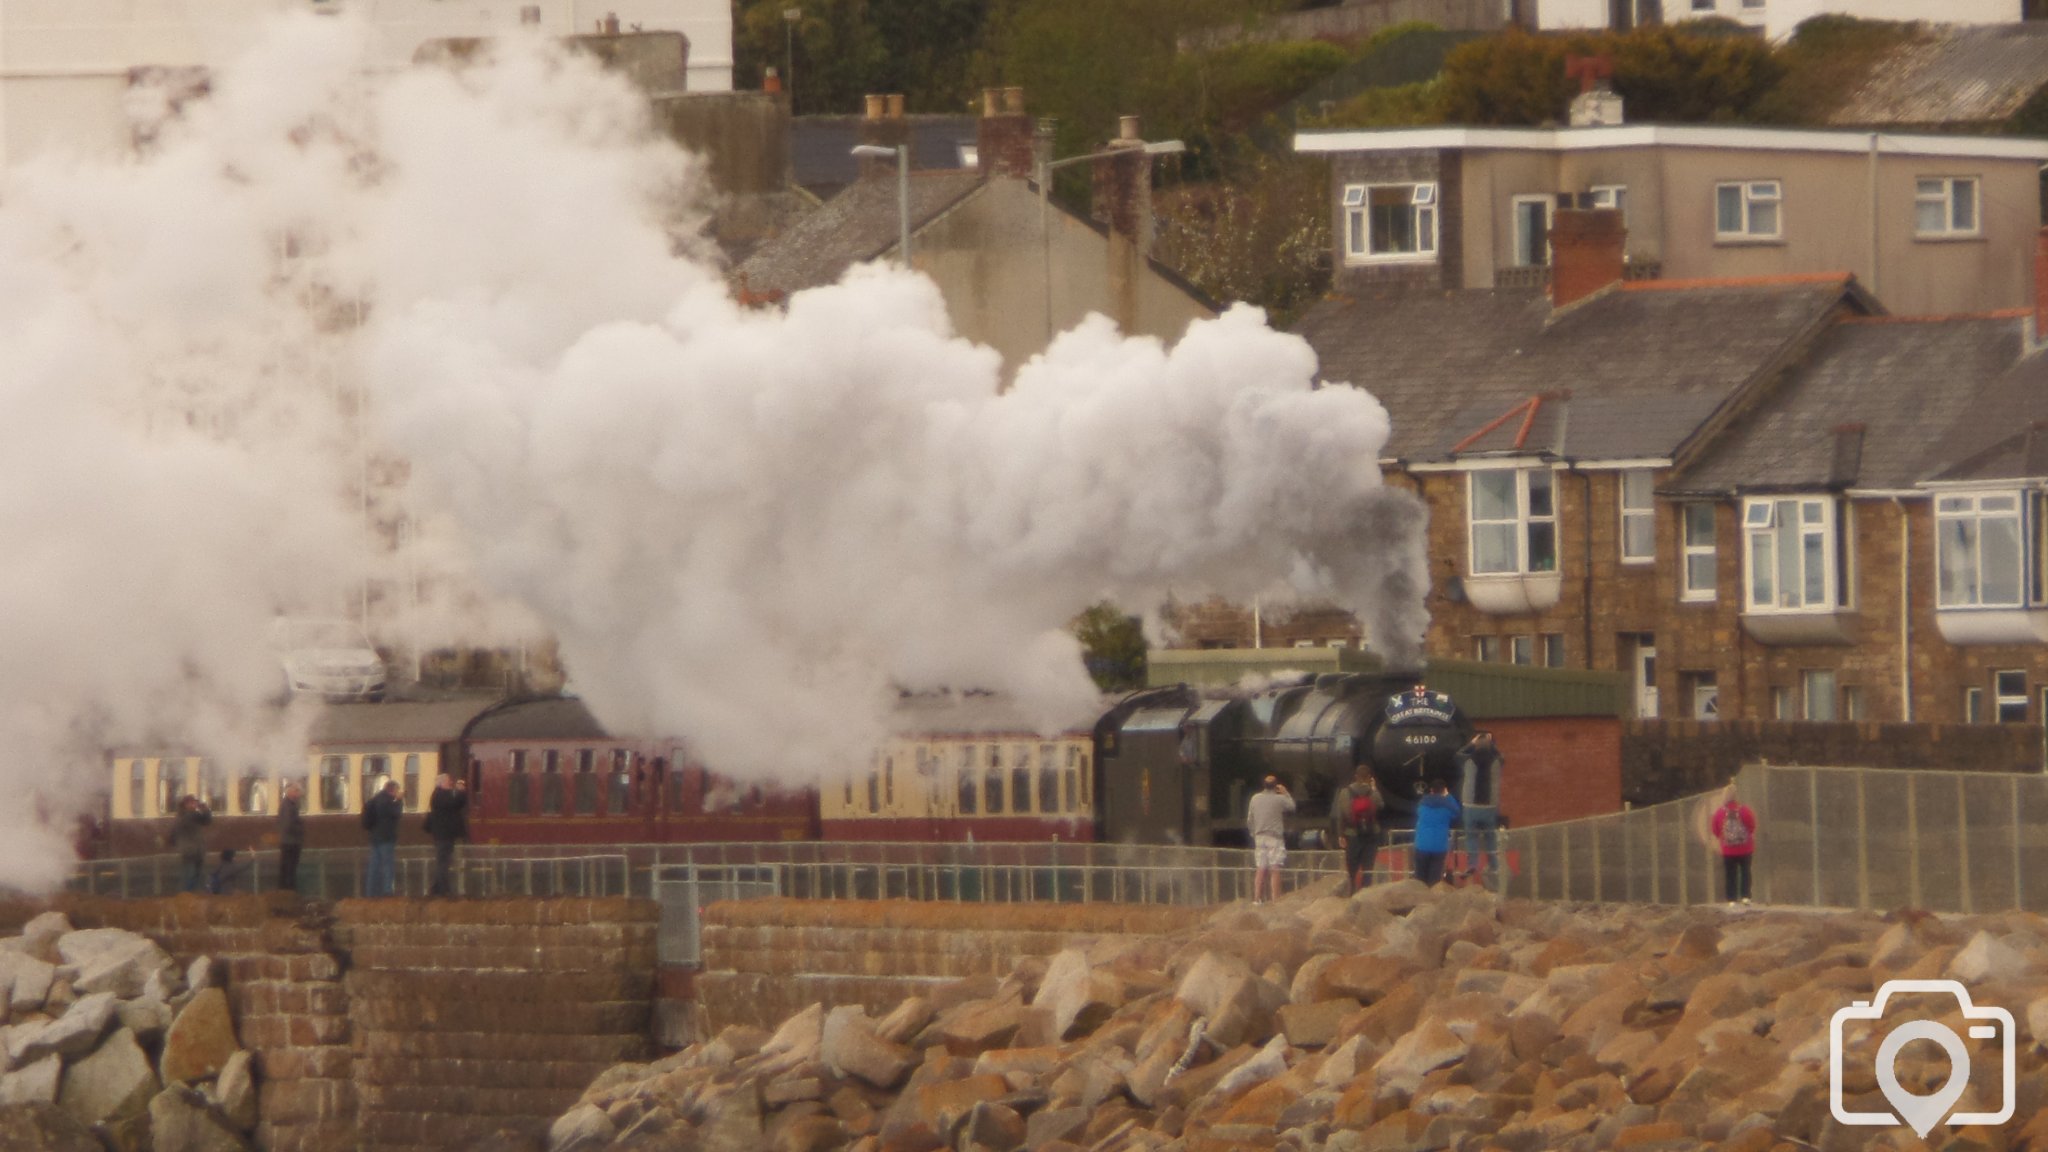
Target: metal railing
339 873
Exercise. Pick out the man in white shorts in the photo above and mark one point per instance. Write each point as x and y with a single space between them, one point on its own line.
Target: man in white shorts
1266 817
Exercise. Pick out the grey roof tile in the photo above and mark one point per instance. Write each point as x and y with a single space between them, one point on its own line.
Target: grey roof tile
859 224
1952 75
1643 365
2013 443
821 147
1871 407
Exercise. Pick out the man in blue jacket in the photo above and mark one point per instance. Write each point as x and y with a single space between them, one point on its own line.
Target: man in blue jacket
1434 815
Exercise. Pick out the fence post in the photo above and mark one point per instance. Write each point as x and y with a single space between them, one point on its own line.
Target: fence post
1813 827
1963 846
1913 838
1564 851
1862 842
2012 807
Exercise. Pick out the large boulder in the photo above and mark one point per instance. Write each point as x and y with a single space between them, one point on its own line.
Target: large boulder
584 1128
849 1047
200 1040
28 979
76 1032
1239 1006
113 1083
43 1127
1417 1054
33 1083
1986 958
181 1121
235 1092
112 960
39 937
1079 996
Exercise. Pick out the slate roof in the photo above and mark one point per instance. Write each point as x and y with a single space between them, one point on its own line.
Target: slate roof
1957 74
546 718
821 147
1867 408
859 224
2013 445
1628 374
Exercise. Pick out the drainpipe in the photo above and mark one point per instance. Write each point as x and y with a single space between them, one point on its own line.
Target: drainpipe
1905 614
1585 557
1873 217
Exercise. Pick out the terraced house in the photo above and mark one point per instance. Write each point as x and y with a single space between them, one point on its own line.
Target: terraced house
1761 496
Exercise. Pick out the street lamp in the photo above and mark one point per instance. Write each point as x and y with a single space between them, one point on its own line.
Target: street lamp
789 18
902 154
1045 170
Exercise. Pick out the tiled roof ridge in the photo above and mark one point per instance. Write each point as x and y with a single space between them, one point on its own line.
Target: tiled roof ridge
1942 317
1779 280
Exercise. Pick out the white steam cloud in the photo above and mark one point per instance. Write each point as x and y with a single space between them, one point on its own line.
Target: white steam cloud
747 528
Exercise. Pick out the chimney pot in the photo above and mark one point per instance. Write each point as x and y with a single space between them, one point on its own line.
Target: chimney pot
610 26
876 106
1013 101
894 105
1127 128
1587 248
771 80
991 102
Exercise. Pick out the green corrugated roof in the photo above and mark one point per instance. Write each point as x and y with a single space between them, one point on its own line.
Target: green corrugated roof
1484 691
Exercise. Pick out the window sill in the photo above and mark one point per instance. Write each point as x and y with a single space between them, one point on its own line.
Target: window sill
1372 261
1948 238
1639 561
1992 625
1838 626
1738 241
1697 598
1514 594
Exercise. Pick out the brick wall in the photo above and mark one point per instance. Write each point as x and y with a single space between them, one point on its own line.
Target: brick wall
406 1025
765 960
1664 760
1558 767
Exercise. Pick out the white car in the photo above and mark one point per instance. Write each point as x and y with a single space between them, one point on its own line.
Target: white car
328 658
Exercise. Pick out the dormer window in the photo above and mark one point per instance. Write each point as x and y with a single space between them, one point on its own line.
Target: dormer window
1390 223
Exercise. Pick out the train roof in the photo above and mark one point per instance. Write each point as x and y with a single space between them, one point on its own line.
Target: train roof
1483 691
548 718
982 713
397 722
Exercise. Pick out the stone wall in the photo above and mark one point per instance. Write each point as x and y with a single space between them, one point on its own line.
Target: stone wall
765 960
402 1024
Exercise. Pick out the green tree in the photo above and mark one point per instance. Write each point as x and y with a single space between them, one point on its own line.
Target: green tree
1113 645
843 50
1690 74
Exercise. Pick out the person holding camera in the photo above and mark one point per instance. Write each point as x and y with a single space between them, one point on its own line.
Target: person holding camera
1735 832
1479 769
1266 819
291 836
447 822
188 840
380 819
1355 820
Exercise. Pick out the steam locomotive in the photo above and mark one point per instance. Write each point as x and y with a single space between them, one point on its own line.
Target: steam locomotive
1178 766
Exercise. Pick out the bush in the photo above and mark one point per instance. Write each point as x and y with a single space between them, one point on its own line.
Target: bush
1664 73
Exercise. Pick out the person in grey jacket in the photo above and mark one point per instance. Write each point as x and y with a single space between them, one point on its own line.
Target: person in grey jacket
1266 818
1479 769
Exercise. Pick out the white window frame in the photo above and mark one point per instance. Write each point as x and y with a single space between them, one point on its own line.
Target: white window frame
1611 196
1761 521
1818 705
1782 703
2005 696
1552 644
1753 195
1692 548
1524 522
1520 240
1959 535
1522 650
1486 649
1641 515
1358 238
1973 705
1939 193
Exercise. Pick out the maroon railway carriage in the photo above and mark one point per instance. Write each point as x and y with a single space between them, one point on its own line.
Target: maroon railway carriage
546 772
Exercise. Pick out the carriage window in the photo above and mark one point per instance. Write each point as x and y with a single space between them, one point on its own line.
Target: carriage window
1020 779
586 782
170 785
376 770
622 782
849 792
412 780
551 783
970 784
213 786
1048 780
889 781
1073 779
518 800
253 791
138 788
874 792
994 782
334 783
1087 785
674 771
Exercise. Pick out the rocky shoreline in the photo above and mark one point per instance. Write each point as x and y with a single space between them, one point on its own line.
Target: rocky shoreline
1401 1018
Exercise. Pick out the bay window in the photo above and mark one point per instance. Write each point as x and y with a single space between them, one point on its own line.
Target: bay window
1978 557
1513 517
1796 556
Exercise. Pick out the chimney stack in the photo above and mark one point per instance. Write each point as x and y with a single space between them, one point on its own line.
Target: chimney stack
1003 139
1587 248
1122 199
885 126
609 26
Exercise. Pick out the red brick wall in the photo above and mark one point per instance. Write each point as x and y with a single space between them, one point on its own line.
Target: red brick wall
1558 767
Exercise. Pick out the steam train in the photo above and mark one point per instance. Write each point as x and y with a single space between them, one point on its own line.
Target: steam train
1168 765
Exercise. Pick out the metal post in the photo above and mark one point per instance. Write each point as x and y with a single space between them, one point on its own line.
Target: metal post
1963 846
903 200
2012 808
1813 828
1862 841
1913 839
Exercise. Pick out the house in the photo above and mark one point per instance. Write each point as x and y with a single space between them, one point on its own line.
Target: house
1774 18
821 156
1953 78
1929 224
1015 268
66 68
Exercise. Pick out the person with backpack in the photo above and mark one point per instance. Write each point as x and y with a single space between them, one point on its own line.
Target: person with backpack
1479 768
1735 832
1355 820
380 819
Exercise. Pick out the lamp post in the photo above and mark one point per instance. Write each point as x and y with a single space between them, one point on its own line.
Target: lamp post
789 18
902 154
1045 171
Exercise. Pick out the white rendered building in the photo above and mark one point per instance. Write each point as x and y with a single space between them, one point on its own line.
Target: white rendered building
1777 18
65 64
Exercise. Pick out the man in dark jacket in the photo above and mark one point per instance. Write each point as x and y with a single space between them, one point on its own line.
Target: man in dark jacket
447 822
1479 769
188 840
291 837
1355 820
380 817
